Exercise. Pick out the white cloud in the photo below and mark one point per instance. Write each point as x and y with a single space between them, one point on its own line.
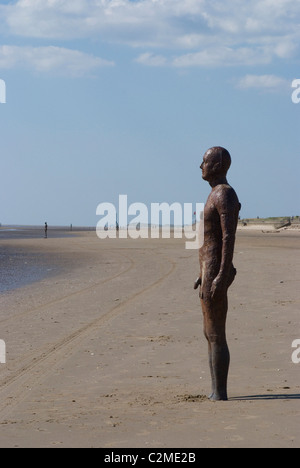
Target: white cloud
248 32
50 59
151 60
264 82
223 56
211 57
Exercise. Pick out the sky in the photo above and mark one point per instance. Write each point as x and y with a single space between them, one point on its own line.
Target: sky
112 97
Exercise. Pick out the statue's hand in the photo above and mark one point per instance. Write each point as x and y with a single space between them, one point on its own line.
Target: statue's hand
218 287
197 283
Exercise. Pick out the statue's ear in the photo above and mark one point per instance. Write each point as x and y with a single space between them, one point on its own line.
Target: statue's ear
217 167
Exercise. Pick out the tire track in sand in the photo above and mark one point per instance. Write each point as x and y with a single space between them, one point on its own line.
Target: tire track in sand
68 296
17 386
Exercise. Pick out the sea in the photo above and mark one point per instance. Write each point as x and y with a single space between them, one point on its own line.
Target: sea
22 232
19 266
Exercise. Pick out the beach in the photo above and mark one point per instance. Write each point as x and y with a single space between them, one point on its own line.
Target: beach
108 349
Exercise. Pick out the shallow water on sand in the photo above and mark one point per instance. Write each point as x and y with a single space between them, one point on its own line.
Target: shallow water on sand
19 268
9 233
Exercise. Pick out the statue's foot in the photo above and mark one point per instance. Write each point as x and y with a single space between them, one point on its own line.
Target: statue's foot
218 397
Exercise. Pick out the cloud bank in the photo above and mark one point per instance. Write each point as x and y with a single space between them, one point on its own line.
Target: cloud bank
48 59
264 82
177 33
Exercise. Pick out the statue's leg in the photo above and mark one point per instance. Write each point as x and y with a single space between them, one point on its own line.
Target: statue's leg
210 361
215 314
220 365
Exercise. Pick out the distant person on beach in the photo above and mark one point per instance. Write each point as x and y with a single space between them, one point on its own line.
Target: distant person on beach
46 230
217 271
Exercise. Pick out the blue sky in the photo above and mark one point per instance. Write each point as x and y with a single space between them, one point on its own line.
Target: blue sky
109 97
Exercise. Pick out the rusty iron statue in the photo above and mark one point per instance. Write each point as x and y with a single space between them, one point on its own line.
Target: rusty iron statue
217 272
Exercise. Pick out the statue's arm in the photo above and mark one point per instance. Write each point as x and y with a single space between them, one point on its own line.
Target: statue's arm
198 281
226 205
228 225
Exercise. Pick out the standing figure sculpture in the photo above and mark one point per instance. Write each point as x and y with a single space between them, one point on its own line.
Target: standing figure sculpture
217 272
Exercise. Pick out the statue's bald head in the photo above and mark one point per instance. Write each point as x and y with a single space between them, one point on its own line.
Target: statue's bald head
220 155
216 162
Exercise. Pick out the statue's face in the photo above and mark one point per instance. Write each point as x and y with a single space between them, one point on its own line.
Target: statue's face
208 165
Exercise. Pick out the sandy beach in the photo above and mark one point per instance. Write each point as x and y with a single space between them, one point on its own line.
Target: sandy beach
109 351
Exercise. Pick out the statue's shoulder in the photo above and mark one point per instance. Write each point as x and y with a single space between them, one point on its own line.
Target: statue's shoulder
224 190
225 196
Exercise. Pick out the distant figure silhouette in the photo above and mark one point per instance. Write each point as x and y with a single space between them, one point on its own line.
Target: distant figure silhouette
217 271
46 230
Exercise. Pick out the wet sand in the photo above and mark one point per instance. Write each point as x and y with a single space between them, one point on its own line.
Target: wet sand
110 352
31 232
18 267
